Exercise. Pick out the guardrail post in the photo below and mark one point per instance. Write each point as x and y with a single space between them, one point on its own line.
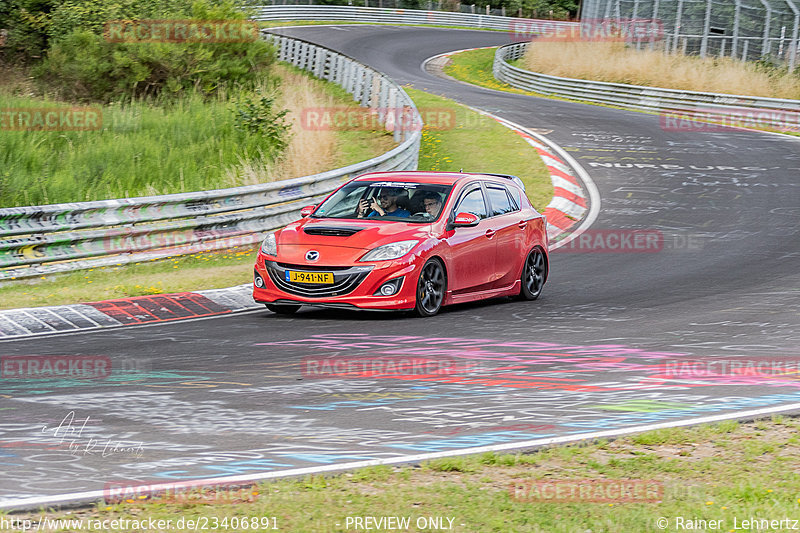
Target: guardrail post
737 12
706 30
366 89
793 45
397 118
654 24
347 76
766 45
678 15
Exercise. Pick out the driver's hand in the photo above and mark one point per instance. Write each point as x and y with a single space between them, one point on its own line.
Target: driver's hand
363 205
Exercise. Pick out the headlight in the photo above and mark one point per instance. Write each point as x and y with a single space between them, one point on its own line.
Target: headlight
270 245
389 251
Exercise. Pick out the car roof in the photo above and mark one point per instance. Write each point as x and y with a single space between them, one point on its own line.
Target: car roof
425 176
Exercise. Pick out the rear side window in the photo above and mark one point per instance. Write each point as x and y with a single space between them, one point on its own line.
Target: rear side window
516 197
472 202
501 203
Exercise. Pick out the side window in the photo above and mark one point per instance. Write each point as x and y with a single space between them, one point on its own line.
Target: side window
514 203
516 197
499 200
473 203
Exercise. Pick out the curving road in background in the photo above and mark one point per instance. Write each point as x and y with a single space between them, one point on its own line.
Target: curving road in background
704 324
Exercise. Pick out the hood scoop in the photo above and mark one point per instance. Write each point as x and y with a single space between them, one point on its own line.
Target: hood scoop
331 231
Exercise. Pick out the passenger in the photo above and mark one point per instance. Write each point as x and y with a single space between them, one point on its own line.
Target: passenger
433 203
387 206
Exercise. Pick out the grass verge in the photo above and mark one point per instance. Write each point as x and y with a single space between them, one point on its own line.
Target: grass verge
475 67
614 62
724 472
193 144
458 138
467 140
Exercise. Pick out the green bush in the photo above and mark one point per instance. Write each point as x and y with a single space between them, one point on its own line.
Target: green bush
83 65
258 116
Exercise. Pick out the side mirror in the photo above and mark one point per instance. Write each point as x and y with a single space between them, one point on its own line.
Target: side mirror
307 210
465 220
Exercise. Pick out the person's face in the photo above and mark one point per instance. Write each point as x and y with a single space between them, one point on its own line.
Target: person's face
387 200
432 206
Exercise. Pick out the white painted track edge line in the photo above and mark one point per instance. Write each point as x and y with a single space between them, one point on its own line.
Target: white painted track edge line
90 496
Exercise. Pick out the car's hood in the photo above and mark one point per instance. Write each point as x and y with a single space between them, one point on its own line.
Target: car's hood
347 240
362 234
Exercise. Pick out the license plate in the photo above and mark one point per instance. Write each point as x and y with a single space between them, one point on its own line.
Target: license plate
322 278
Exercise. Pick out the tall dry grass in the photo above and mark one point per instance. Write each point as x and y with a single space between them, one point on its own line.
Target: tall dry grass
614 62
309 151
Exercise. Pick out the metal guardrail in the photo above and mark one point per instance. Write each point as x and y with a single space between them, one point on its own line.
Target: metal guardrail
774 113
40 240
377 15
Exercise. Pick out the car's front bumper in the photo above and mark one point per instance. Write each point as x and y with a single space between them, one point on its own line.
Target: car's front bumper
354 286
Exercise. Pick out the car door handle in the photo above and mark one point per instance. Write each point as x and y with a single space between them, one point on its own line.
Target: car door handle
490 233
523 224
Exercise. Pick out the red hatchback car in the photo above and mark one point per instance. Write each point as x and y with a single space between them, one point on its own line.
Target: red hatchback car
407 240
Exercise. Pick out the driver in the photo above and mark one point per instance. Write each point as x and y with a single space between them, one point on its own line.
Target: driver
386 207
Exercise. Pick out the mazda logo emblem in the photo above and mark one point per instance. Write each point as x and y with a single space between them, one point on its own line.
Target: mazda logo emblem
312 255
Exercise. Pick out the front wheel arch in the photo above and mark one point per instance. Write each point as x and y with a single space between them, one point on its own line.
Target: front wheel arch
430 294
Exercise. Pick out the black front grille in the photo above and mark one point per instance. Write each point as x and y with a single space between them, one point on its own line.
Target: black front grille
345 279
331 231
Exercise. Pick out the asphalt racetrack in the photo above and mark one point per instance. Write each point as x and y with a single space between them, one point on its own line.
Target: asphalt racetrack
704 324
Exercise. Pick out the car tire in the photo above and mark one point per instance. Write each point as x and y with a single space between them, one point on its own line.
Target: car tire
534 274
283 309
431 288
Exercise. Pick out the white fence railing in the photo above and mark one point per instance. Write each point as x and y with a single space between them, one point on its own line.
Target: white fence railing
675 106
41 240
377 15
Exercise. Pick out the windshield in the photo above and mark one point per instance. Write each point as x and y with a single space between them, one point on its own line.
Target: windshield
386 200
